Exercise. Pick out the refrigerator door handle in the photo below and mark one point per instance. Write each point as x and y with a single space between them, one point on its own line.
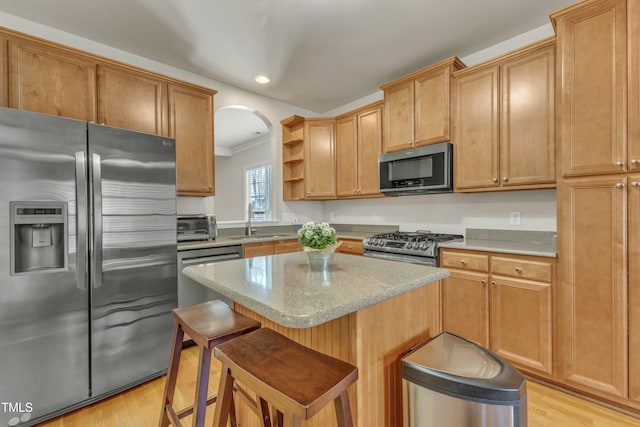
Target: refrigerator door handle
81 220
96 182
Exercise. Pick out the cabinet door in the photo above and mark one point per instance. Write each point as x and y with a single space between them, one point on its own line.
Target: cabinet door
4 72
465 306
592 285
398 111
634 288
251 250
346 156
527 137
520 322
319 159
633 98
432 107
369 148
475 130
191 124
592 52
45 79
287 246
130 100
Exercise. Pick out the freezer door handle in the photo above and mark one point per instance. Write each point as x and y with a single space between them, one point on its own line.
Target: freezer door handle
96 182
81 220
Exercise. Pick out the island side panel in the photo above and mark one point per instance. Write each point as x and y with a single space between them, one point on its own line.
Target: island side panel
385 332
335 338
374 339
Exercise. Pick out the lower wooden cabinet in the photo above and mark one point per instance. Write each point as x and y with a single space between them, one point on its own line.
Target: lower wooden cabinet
502 302
251 250
351 246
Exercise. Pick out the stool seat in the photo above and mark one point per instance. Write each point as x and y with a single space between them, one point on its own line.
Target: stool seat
213 322
208 324
294 379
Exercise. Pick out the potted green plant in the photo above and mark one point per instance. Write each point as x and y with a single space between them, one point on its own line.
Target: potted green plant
319 242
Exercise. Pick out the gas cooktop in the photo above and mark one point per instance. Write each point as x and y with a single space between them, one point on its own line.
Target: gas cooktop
420 246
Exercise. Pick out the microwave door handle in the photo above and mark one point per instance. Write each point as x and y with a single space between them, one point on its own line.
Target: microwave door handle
81 220
96 182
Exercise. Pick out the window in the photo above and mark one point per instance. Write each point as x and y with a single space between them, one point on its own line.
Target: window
259 192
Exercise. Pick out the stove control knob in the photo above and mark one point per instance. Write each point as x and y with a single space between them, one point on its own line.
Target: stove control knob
407 245
380 242
416 245
424 245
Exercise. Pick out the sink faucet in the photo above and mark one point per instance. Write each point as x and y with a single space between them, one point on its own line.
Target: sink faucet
249 216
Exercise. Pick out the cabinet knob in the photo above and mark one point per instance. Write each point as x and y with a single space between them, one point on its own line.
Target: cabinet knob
211 187
518 269
635 161
494 179
635 184
621 164
355 191
505 179
620 185
484 282
463 262
493 282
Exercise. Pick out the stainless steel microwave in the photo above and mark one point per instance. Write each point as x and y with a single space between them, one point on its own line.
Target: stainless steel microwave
420 170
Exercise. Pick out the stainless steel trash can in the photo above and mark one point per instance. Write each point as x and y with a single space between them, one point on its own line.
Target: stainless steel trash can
451 382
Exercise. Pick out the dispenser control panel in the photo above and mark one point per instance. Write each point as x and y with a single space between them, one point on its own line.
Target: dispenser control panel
39 237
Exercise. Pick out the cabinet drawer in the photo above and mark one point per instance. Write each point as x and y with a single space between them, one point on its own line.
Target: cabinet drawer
353 247
464 261
523 269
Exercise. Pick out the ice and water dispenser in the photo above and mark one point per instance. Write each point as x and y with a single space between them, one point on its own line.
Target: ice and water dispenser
38 237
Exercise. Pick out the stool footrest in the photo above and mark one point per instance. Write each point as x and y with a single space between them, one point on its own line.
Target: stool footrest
189 409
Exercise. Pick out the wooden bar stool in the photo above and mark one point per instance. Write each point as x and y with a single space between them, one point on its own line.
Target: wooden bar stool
208 325
294 379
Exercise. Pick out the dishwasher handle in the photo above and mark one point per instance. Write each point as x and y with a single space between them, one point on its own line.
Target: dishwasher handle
204 260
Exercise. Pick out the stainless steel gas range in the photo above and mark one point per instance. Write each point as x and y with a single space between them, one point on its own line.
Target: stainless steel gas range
420 247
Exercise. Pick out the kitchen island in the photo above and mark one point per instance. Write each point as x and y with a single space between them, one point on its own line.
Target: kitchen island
365 311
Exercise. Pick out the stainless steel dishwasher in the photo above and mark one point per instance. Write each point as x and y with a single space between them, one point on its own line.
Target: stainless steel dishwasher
191 292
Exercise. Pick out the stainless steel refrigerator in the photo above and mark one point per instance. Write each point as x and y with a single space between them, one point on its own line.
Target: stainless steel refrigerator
87 262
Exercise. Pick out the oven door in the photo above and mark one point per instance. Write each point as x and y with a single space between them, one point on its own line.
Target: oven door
414 259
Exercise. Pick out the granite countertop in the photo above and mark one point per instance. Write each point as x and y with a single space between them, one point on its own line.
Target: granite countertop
281 287
536 243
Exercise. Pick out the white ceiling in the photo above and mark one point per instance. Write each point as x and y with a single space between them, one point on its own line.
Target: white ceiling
319 54
237 128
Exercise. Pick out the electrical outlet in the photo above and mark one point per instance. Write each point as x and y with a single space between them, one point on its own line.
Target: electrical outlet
514 218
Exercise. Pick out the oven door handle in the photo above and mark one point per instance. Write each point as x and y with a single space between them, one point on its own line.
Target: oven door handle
204 260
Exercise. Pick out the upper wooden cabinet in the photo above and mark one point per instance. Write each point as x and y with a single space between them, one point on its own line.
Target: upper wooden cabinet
191 124
50 80
503 122
130 99
417 107
592 76
358 145
320 158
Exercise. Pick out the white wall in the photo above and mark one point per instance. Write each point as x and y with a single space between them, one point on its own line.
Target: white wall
230 181
450 212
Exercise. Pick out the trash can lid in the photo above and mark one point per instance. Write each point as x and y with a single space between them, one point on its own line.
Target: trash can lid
452 365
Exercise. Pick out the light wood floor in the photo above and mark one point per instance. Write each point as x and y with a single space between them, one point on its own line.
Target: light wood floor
140 407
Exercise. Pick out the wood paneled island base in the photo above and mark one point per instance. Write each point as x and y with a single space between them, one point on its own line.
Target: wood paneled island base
374 339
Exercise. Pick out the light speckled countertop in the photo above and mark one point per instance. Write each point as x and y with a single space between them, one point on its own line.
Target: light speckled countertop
281 288
524 242
240 240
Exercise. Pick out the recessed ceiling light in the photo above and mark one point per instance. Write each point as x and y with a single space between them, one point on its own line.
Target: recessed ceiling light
262 79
